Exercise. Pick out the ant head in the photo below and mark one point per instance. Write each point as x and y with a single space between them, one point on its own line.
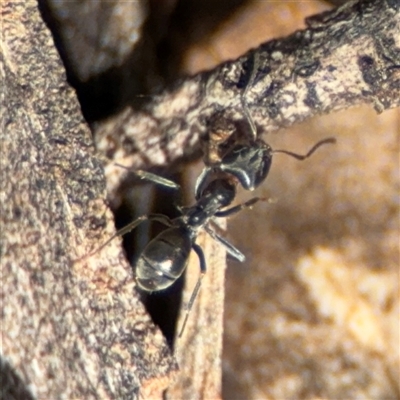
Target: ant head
249 163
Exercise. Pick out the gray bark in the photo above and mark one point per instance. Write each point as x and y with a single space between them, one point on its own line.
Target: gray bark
70 329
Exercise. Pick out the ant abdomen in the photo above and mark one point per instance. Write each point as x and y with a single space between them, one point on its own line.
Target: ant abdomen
163 260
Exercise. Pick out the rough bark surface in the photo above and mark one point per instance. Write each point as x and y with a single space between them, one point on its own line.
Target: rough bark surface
69 329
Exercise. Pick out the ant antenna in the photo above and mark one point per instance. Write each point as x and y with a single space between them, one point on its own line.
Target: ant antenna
246 111
311 151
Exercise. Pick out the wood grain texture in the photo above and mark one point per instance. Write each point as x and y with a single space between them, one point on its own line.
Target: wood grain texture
199 350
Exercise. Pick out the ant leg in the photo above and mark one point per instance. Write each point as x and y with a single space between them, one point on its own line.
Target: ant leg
148 176
132 225
163 219
315 147
236 209
230 248
196 289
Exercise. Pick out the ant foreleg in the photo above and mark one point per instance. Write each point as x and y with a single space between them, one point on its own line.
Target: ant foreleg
196 289
150 177
311 151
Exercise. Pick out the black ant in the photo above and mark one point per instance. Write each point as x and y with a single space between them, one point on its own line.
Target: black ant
165 257
246 161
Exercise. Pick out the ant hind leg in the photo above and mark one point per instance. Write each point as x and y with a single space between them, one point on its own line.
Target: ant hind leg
196 289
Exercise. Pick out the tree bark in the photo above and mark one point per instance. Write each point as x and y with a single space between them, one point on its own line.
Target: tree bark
69 329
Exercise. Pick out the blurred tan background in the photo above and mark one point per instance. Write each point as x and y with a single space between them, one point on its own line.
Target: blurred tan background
314 311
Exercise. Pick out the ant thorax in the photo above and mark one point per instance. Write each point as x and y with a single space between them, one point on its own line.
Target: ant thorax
216 191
